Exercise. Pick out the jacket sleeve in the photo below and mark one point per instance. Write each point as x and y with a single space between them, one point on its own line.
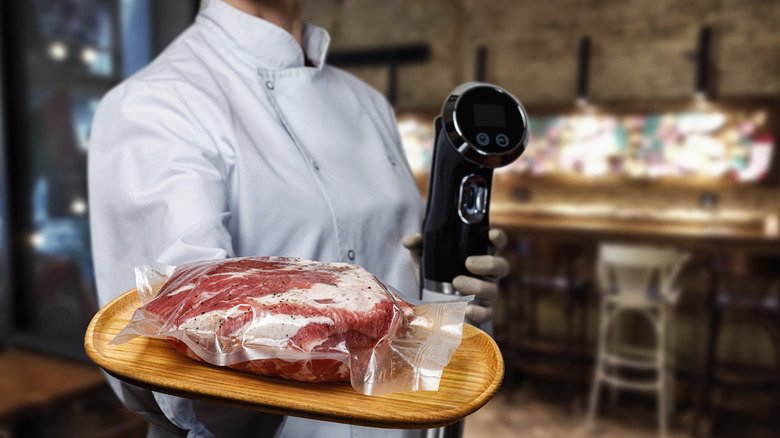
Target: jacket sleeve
157 185
157 189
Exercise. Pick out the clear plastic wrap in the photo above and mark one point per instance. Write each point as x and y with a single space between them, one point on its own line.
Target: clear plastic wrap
300 320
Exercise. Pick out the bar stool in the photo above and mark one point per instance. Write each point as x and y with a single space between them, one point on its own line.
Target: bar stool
554 273
637 280
745 290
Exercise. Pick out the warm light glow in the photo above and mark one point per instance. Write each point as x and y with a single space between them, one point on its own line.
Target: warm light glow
37 240
78 206
715 143
89 55
684 144
58 51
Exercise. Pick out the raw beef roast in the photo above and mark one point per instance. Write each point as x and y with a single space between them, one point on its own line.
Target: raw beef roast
292 318
300 320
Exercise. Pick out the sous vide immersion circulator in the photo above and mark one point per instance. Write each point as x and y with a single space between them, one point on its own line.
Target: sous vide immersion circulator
481 127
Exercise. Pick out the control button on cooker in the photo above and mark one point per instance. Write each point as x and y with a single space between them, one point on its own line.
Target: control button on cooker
502 140
483 139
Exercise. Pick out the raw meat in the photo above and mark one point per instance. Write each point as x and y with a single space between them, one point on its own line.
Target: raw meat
286 317
298 319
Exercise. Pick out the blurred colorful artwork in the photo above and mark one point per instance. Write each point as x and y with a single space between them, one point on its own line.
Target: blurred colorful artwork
734 145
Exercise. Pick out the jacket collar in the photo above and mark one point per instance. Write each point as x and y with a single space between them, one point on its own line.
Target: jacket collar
266 42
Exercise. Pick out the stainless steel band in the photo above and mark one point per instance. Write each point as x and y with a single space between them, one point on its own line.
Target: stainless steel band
439 287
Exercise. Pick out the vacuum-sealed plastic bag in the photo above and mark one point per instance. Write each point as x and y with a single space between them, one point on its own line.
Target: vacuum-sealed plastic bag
300 320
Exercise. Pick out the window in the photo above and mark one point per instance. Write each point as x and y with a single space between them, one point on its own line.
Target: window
63 56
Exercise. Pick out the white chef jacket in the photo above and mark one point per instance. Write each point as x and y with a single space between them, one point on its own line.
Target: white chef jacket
228 145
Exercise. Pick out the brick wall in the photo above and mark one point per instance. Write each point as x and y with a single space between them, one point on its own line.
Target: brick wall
640 48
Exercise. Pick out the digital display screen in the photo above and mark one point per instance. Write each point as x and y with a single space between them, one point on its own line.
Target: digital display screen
491 122
491 116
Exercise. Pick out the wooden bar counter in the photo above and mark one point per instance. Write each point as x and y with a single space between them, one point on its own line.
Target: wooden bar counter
717 235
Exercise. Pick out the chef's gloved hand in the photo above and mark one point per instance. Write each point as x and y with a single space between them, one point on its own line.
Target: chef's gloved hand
491 266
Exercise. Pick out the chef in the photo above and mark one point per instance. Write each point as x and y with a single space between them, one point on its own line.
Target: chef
238 140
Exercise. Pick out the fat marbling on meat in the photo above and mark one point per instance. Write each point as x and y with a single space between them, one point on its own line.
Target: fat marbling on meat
287 317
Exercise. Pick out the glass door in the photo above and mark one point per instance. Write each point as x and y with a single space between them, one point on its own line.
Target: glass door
64 56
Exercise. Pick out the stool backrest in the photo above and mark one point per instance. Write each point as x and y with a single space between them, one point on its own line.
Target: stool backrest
645 272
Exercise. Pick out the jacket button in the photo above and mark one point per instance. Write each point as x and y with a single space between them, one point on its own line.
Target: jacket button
351 254
269 85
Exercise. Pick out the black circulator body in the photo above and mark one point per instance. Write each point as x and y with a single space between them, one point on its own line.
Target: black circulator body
482 127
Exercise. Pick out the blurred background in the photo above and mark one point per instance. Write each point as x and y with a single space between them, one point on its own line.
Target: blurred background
654 129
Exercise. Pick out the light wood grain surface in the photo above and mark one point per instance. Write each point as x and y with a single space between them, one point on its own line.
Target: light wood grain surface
468 382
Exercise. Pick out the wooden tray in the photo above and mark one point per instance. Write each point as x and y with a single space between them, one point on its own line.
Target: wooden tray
468 382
